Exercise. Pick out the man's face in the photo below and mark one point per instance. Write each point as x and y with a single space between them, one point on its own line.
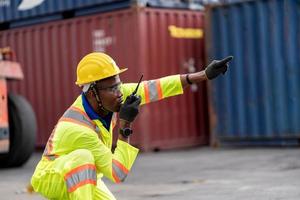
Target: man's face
110 94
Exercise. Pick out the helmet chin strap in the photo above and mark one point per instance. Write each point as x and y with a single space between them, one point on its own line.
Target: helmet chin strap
100 105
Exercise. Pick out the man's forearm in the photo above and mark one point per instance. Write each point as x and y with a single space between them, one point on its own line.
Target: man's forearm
214 69
193 78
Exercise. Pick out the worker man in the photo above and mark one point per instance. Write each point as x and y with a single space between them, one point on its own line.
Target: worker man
78 153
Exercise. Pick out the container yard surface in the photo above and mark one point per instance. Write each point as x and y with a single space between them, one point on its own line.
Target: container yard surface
198 173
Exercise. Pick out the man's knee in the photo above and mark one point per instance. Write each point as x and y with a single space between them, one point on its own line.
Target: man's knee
79 173
83 156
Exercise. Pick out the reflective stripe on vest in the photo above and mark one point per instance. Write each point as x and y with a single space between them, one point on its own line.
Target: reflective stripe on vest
82 175
49 147
77 116
119 171
153 91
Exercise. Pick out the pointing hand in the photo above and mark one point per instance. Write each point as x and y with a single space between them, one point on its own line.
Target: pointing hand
216 67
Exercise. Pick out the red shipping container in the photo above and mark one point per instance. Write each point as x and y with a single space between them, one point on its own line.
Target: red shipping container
153 42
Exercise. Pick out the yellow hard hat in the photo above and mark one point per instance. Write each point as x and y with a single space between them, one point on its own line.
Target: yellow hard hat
96 66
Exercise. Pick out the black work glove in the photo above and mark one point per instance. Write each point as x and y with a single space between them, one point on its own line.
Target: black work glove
216 67
130 109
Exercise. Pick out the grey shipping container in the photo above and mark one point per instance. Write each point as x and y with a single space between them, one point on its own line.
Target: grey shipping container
258 101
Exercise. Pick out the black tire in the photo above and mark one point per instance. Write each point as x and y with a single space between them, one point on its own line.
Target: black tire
22 132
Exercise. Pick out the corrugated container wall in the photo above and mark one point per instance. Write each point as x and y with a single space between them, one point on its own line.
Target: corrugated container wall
153 42
15 13
17 10
258 99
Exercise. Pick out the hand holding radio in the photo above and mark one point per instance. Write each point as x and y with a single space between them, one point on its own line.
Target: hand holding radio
130 109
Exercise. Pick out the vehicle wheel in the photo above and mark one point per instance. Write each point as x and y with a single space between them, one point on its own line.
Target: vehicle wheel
22 132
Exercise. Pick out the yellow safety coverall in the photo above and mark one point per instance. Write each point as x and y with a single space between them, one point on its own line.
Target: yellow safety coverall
78 152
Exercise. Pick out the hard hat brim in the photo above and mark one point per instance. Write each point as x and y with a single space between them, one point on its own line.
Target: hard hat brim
122 70
119 72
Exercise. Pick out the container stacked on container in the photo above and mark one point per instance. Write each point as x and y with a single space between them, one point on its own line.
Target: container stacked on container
149 41
257 102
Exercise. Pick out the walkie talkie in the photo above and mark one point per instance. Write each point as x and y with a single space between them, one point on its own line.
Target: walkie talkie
137 87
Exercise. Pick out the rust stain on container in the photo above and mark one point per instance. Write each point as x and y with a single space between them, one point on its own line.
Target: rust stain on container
137 38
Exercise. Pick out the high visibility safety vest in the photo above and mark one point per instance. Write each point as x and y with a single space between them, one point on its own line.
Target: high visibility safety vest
75 130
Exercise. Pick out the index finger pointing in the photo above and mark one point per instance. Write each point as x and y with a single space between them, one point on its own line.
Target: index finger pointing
226 60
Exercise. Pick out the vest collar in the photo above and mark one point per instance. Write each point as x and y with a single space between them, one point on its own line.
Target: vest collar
93 115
